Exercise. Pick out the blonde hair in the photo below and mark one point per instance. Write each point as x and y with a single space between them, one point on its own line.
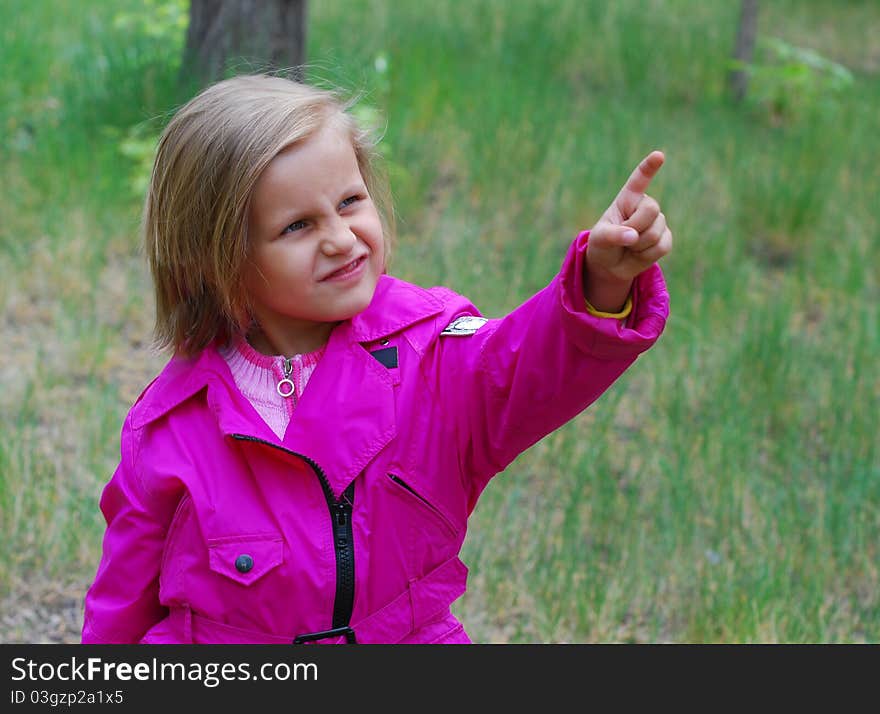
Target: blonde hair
209 158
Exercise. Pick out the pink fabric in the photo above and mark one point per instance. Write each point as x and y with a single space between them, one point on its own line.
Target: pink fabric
400 453
257 376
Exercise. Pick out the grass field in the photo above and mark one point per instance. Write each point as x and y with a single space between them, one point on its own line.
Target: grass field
727 487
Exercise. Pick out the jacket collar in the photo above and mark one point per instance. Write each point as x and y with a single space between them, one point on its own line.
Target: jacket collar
396 304
347 413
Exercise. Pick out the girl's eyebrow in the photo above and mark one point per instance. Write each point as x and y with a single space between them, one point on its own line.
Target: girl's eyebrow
274 224
285 214
353 188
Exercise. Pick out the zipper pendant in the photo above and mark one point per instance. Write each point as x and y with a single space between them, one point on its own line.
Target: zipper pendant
286 387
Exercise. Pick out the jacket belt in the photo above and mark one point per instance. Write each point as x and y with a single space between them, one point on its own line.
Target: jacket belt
424 599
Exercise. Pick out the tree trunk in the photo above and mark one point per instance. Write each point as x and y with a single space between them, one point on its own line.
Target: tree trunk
745 47
243 36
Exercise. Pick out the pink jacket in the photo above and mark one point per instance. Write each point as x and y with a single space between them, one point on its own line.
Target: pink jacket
349 528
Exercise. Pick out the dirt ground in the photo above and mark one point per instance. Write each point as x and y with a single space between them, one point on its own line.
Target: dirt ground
42 613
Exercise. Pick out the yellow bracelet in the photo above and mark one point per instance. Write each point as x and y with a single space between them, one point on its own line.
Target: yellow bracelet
627 309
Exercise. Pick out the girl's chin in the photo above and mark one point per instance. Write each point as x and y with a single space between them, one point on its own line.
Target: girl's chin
356 302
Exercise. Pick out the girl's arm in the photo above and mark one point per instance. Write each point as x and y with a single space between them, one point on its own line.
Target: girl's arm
518 378
522 376
123 601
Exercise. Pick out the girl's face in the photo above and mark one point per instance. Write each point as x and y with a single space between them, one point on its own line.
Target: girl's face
316 247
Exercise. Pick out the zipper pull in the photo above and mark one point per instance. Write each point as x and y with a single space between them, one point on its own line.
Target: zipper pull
341 513
286 387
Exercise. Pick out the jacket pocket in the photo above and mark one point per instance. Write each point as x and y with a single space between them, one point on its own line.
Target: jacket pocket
245 558
420 500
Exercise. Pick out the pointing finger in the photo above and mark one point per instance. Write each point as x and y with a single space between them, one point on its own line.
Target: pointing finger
640 179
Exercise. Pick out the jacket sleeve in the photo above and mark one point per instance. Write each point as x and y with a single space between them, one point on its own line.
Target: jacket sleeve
123 601
520 377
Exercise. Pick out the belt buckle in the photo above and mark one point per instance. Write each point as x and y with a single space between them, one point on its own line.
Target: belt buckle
325 634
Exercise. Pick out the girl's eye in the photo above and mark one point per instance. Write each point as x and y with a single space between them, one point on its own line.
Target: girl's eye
348 201
295 226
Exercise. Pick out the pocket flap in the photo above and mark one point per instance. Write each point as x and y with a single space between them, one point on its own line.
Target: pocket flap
245 558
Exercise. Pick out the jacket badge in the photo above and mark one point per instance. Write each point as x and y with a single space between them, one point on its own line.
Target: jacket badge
464 325
386 356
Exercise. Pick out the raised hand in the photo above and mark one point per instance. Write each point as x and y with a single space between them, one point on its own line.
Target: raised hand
630 236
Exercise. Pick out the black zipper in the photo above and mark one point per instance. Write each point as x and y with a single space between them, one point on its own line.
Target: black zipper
343 539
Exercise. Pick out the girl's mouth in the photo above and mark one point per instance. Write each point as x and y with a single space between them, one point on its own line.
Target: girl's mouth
352 269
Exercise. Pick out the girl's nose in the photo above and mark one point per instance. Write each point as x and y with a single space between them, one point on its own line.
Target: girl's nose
338 238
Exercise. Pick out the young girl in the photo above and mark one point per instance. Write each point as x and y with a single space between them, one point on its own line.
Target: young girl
303 468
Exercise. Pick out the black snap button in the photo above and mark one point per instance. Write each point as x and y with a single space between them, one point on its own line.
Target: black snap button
243 563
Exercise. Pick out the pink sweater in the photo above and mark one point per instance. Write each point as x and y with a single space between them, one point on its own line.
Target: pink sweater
258 376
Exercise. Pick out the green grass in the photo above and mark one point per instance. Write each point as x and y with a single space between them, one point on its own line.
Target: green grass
727 487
